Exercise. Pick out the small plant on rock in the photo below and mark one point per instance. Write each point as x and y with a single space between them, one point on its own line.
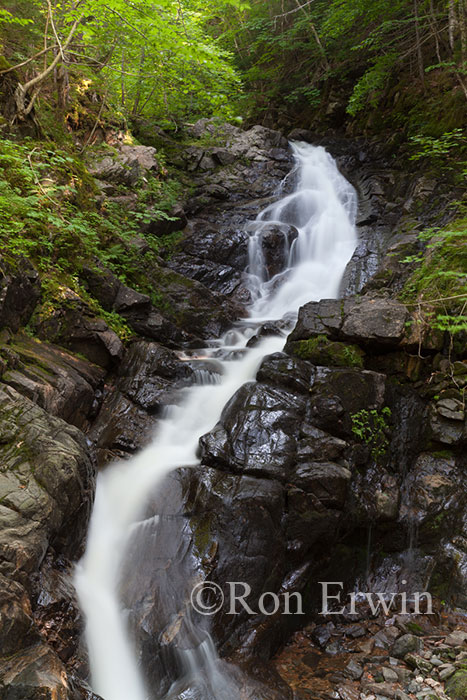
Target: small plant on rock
371 427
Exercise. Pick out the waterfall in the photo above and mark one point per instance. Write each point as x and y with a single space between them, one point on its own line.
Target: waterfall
322 210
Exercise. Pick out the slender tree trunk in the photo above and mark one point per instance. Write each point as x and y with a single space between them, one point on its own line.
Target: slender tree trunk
134 111
421 70
462 10
452 25
122 80
315 34
434 29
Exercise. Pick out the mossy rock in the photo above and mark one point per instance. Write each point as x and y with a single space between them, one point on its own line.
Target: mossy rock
321 351
456 687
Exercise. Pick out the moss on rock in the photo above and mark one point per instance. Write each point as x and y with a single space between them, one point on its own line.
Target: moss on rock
456 687
322 351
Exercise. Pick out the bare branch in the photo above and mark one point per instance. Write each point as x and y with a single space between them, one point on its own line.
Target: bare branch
28 60
135 29
50 16
296 9
39 78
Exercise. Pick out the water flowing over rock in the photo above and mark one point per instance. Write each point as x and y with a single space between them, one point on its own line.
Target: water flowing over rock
336 457
256 440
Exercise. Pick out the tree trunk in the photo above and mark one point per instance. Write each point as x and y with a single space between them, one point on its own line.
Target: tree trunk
421 70
26 95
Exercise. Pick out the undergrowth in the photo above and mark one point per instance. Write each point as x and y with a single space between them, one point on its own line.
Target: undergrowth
50 214
437 287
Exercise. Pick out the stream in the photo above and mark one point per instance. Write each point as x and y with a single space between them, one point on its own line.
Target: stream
322 208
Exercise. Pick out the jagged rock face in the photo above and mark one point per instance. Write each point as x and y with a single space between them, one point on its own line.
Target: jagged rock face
46 484
264 510
76 327
150 378
293 438
62 384
214 247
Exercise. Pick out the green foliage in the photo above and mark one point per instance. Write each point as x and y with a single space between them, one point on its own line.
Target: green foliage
48 214
300 56
148 59
437 288
8 19
371 428
441 151
367 90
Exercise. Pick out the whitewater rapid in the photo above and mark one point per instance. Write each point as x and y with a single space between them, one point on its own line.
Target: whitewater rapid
323 209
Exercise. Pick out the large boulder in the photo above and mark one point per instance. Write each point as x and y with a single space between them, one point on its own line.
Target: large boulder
368 321
64 385
125 166
276 242
74 326
256 432
149 379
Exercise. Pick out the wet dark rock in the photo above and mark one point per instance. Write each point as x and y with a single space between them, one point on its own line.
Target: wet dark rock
75 327
288 373
365 261
154 325
121 427
224 247
366 321
322 634
205 516
62 384
317 445
19 293
276 241
325 480
255 433
46 490
191 306
150 375
220 278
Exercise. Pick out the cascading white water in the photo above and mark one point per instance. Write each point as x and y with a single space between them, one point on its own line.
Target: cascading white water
322 208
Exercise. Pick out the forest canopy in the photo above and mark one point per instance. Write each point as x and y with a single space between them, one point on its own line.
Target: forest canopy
143 58
176 60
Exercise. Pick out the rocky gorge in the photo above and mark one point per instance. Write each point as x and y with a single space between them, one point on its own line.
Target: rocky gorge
343 461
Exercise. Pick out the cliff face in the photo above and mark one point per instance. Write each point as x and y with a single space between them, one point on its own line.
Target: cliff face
358 426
